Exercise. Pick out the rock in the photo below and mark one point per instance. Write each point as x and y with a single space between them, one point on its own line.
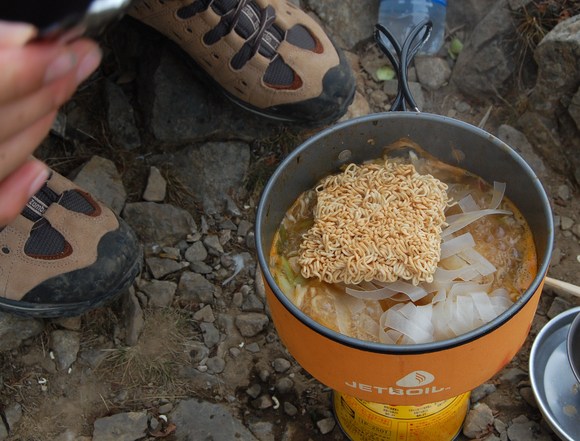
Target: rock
359 21
390 87
290 409
156 188
65 346
213 244
522 429
201 420
165 408
556 256
121 118
196 252
281 365
198 352
128 426
518 141
557 57
359 107
159 267
13 415
252 304
253 347
263 430
527 394
462 106
251 323
201 268
574 108
480 392
486 62
196 288
501 428
205 314
478 421
262 402
566 223
558 306
467 14
216 365
70 323
173 253
254 390
284 385
251 239
208 179
163 224
211 335
13 330
178 108
518 4
563 192
132 318
543 134
101 179
513 375
159 292
433 72
244 228
326 425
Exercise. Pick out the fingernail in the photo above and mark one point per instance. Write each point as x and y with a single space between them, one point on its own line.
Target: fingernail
38 182
63 64
88 64
15 34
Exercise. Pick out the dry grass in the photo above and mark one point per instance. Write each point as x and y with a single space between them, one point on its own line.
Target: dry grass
540 17
267 154
149 370
533 22
178 193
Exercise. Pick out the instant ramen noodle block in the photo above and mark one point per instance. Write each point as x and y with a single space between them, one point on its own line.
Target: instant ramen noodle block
403 250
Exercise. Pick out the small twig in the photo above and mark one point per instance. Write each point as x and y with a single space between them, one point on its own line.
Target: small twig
104 402
485 118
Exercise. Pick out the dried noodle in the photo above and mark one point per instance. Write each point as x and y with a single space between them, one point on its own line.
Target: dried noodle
375 222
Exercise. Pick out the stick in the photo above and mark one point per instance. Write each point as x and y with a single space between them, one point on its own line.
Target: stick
561 286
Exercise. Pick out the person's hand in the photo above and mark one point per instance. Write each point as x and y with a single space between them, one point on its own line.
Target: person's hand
36 78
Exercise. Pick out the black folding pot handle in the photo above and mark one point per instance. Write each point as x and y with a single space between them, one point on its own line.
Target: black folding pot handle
402 58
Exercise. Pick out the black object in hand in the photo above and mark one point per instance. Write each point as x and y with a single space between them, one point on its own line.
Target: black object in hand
54 18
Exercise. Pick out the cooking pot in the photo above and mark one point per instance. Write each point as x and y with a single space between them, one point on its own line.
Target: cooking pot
403 374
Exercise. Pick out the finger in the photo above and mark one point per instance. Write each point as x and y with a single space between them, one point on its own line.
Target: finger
15 151
19 114
19 187
27 69
15 34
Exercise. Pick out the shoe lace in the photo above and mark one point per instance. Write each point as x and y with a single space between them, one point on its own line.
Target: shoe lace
39 203
232 13
267 18
72 200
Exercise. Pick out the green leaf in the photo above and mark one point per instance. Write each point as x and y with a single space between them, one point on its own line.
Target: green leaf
455 47
385 73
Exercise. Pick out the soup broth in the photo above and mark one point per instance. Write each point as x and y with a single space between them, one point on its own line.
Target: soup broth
486 260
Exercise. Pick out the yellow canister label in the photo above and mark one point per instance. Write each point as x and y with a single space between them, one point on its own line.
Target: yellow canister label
366 421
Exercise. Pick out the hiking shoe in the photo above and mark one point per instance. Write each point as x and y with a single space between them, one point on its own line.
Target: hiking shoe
64 254
268 56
